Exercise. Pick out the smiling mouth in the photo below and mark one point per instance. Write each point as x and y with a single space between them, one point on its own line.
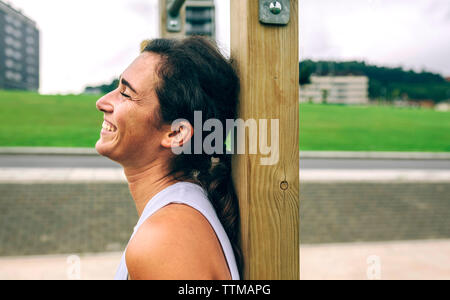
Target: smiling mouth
109 127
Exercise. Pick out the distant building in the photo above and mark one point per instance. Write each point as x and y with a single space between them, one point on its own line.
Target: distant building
336 89
443 106
19 50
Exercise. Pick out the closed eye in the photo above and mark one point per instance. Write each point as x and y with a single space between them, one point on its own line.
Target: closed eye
125 95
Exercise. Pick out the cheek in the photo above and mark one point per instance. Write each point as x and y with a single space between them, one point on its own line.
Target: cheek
134 124
125 116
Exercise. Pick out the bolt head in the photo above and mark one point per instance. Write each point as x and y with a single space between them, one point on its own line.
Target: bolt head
275 7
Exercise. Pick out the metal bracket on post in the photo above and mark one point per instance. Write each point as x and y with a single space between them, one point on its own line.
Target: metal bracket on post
274 12
173 22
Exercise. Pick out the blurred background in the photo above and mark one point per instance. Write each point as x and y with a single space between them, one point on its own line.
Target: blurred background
374 135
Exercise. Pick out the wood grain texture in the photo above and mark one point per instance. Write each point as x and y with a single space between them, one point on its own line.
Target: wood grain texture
267 60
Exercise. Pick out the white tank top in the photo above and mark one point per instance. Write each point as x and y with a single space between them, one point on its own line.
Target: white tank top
194 196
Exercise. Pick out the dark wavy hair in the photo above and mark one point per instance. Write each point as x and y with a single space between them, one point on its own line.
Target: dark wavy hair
194 76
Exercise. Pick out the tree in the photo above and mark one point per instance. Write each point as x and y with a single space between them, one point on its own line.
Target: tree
104 88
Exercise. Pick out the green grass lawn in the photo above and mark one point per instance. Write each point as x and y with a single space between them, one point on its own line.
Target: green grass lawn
353 128
28 119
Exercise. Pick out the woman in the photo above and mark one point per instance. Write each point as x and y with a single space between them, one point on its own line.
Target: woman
189 216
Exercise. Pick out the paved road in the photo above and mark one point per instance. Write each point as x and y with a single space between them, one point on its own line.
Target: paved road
409 260
55 161
45 161
415 260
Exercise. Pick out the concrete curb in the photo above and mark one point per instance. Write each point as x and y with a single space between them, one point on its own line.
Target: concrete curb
377 176
375 155
73 175
85 175
303 154
47 151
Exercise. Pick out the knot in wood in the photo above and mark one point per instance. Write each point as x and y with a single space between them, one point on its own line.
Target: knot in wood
284 185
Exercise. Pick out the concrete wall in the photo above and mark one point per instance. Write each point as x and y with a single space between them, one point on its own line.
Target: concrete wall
363 212
64 218
40 219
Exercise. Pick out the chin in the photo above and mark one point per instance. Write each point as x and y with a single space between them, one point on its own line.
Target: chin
107 150
103 149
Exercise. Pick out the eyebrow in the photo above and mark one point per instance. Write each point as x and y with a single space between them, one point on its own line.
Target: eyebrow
126 83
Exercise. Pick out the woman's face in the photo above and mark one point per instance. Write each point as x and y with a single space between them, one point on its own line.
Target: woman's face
129 135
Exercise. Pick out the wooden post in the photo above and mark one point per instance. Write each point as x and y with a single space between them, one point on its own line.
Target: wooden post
267 58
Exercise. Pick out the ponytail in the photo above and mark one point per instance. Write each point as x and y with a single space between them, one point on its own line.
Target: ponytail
218 183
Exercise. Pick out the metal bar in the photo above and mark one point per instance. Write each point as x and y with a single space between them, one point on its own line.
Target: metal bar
174 7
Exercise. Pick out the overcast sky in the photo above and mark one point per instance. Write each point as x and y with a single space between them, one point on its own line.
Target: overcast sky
88 42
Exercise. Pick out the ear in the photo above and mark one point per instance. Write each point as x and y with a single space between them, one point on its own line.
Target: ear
180 133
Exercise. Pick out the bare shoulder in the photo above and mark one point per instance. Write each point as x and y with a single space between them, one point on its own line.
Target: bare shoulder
177 242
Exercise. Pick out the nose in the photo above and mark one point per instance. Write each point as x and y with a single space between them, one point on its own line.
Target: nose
105 103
